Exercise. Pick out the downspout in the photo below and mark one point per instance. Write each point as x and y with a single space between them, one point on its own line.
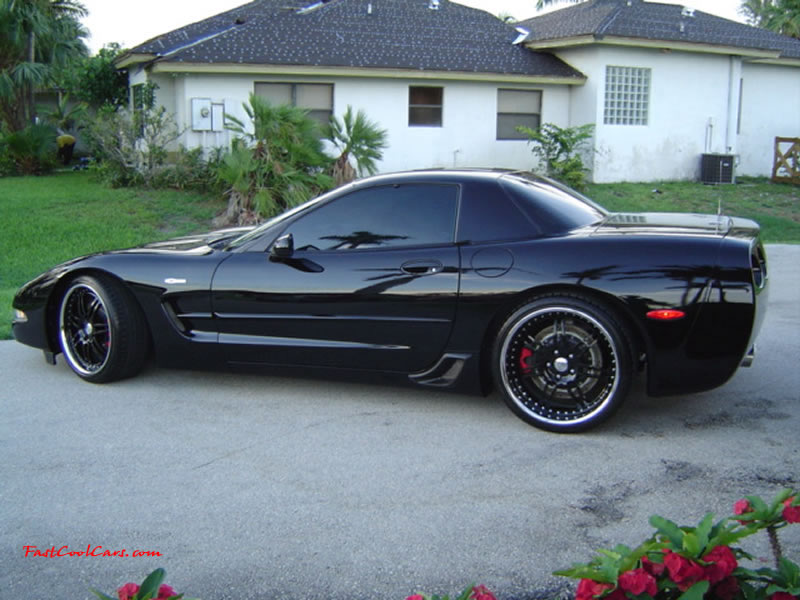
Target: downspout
732 114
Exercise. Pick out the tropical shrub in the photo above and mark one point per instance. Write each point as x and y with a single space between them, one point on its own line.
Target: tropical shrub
559 150
152 588
276 164
131 147
696 563
95 80
355 137
29 151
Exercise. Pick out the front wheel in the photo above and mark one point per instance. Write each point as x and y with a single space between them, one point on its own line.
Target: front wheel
102 331
563 363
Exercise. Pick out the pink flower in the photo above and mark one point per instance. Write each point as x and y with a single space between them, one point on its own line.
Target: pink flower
638 581
683 571
589 589
481 592
166 591
727 589
782 596
722 563
742 507
127 591
416 597
791 513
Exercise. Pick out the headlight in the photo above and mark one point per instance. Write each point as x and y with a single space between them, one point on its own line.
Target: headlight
19 316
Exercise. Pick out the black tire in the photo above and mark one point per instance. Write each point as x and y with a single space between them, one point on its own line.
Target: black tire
563 363
101 330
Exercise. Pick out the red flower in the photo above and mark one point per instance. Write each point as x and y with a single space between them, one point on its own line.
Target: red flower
722 563
128 591
742 507
791 513
165 591
416 597
589 589
782 596
683 571
651 567
481 592
638 581
727 589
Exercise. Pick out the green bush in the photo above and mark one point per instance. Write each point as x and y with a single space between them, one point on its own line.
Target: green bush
30 151
559 149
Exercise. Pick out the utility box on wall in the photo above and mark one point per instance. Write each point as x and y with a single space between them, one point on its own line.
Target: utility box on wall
716 168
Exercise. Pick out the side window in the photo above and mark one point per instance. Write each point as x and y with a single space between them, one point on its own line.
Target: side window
381 217
487 214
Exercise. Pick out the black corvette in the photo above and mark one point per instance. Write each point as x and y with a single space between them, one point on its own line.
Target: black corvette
449 279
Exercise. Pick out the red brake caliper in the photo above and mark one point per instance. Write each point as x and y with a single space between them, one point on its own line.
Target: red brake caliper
523 360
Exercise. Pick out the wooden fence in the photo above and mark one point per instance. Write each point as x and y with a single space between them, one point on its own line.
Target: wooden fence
786 166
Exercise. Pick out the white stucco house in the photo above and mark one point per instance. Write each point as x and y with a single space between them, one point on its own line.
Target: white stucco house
663 85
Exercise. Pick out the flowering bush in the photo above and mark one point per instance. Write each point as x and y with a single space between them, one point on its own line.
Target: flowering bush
471 592
152 588
696 563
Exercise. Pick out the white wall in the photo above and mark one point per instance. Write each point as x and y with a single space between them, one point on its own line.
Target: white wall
689 112
770 108
465 139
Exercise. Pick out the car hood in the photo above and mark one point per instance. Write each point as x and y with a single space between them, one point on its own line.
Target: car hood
191 244
676 223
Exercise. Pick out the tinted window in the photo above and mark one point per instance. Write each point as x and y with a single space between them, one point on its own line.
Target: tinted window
488 214
380 217
552 207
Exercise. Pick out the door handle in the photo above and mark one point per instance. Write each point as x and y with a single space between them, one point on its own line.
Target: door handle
422 267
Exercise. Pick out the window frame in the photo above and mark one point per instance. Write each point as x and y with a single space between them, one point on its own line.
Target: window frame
627 93
416 106
314 113
517 136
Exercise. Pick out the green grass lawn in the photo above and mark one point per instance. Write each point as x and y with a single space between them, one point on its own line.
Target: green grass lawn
47 220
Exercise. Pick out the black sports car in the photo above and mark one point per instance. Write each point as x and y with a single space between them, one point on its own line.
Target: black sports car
450 279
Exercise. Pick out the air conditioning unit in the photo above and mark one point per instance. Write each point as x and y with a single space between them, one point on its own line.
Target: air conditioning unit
717 168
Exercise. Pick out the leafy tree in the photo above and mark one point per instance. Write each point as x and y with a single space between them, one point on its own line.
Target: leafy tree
37 37
781 16
276 165
559 149
355 137
95 80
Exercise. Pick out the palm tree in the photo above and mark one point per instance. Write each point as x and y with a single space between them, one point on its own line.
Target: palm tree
357 137
36 38
781 16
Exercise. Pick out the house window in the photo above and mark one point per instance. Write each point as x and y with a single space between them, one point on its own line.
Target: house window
627 96
425 106
316 98
515 108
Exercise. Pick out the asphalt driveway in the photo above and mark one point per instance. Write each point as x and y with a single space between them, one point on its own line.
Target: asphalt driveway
256 487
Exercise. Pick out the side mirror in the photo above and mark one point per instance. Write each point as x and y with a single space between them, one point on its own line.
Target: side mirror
283 247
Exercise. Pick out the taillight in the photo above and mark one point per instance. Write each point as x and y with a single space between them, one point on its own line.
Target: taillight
666 314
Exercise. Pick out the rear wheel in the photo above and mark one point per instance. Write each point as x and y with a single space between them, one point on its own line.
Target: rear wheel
102 331
563 363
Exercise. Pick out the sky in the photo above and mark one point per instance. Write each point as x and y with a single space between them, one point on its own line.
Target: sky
115 21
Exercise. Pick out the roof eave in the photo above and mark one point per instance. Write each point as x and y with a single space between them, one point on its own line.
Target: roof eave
132 58
704 48
384 73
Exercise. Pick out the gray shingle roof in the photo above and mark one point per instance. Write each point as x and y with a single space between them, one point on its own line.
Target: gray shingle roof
654 21
393 34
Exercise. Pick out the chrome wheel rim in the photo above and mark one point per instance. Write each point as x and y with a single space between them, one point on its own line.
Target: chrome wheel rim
85 329
559 365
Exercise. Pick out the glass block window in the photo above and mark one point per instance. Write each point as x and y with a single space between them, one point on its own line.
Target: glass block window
316 98
627 100
425 106
517 107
